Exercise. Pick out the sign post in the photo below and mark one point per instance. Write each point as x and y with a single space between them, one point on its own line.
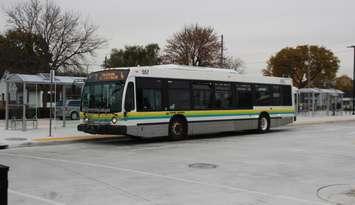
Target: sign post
353 94
52 76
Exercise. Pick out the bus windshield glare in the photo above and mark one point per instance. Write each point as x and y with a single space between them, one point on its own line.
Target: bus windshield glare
102 97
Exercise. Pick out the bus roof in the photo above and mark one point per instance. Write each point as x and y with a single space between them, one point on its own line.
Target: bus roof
200 73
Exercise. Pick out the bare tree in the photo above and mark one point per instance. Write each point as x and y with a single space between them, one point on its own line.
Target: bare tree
236 64
69 39
194 45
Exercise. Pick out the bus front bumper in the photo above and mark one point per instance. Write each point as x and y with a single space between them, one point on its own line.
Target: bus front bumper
103 129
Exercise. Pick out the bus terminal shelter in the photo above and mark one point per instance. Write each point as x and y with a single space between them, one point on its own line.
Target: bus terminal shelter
26 93
318 100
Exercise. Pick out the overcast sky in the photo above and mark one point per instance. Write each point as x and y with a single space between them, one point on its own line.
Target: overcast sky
253 29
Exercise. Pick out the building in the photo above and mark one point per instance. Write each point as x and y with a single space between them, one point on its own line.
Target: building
32 92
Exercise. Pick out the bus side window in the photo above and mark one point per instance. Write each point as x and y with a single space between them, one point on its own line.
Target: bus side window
151 99
179 96
276 95
149 94
244 96
129 100
223 96
202 95
286 95
263 95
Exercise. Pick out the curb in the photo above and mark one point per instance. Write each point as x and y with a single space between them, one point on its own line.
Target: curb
322 122
59 141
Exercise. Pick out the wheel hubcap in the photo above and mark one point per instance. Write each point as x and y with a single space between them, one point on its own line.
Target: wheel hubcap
177 128
264 123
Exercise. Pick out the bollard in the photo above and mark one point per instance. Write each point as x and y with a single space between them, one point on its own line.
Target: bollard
3 184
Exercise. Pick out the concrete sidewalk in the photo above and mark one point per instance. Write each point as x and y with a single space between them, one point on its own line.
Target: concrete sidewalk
17 138
323 119
40 136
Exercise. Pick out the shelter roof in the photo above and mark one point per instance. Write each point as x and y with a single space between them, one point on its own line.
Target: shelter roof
43 78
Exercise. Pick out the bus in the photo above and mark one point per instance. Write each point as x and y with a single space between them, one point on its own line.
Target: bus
179 101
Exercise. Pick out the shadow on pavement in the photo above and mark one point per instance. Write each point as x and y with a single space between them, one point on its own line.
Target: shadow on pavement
132 141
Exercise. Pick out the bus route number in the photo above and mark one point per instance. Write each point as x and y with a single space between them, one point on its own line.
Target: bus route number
145 71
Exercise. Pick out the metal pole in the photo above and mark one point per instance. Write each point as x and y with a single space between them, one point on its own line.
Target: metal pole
36 101
353 99
328 103
51 102
24 107
354 84
309 82
50 110
7 105
313 101
222 50
36 106
64 105
55 105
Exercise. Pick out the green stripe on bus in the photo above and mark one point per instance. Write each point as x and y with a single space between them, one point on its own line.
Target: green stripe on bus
168 114
193 116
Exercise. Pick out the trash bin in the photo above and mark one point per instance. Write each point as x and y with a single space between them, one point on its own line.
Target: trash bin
3 184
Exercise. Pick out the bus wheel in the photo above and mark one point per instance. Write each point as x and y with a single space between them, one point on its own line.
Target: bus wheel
263 123
74 116
177 129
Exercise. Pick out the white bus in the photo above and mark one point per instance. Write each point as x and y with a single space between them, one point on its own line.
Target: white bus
179 101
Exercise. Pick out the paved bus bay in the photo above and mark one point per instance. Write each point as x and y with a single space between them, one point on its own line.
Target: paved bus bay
299 164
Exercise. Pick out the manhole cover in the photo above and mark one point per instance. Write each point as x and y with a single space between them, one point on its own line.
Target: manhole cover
16 139
202 166
339 194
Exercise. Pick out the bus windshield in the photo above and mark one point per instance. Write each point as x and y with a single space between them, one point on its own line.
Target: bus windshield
102 97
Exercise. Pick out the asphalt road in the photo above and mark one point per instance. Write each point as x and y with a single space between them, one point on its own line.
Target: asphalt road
311 164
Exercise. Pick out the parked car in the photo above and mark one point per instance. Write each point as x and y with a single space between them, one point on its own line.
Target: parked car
72 109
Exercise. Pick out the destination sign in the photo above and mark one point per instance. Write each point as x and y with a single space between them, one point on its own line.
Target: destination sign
109 75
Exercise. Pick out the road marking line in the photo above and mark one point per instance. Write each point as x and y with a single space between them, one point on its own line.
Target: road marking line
170 178
34 197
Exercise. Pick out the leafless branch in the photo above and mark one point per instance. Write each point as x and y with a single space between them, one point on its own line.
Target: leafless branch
70 41
194 45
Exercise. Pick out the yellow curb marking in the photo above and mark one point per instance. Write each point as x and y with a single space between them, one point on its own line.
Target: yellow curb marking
71 138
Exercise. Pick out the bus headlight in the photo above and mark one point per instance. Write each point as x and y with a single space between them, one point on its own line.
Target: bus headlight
85 119
114 120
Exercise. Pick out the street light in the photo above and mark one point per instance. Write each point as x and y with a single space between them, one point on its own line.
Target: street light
353 47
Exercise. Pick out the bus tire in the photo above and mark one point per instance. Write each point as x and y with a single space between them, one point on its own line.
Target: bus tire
263 123
177 128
